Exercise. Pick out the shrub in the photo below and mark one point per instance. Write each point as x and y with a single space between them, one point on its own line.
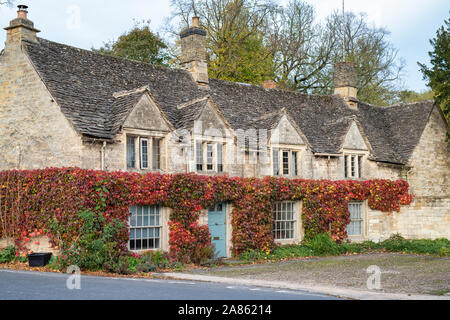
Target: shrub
322 245
8 254
359 247
252 255
444 251
190 244
396 243
96 245
151 261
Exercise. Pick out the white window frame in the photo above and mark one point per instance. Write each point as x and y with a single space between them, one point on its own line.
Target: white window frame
361 220
219 156
141 153
353 165
148 227
294 163
280 158
209 156
139 139
288 156
280 212
216 158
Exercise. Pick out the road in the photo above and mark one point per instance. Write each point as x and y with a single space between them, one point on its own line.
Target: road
27 285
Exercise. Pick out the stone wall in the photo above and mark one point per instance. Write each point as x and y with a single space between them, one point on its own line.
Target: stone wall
36 244
428 216
430 161
33 131
114 154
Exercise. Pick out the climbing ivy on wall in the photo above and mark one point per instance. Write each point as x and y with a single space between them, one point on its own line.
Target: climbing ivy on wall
30 200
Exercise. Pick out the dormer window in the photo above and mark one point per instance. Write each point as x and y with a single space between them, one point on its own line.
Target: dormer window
285 162
147 150
209 156
353 166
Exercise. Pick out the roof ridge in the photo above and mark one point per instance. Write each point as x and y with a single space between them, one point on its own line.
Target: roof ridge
122 93
106 55
189 103
249 85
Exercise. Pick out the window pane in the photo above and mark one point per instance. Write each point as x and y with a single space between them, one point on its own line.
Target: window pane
131 157
157 216
199 156
209 156
352 161
294 164
360 158
286 162
144 153
346 166
219 157
138 216
284 220
276 166
145 231
156 154
356 219
133 216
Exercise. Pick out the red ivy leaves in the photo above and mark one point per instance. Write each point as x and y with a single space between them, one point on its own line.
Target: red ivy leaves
31 199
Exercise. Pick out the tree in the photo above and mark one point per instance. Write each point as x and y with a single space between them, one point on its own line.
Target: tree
139 44
236 44
438 76
301 47
408 96
8 3
251 40
305 52
379 69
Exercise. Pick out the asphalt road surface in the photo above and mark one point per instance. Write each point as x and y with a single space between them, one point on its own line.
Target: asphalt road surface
27 285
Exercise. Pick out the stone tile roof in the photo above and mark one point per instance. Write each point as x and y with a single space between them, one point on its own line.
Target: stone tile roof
393 132
84 85
188 114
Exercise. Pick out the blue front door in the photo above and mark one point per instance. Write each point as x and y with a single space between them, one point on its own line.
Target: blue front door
218 228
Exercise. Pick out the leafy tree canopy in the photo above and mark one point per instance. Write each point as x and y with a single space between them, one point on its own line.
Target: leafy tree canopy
139 44
438 75
236 44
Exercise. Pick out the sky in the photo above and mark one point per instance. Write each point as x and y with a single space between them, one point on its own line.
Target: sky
90 23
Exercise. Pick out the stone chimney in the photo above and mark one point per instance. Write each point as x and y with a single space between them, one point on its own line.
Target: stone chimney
20 28
345 82
193 52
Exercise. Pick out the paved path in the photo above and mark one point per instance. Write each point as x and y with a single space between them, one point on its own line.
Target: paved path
18 285
326 290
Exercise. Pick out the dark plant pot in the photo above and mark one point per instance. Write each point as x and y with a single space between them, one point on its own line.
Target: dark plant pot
39 259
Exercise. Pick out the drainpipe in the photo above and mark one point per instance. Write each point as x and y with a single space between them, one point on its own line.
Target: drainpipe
103 155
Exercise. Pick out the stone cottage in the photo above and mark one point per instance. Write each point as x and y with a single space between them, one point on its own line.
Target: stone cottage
64 106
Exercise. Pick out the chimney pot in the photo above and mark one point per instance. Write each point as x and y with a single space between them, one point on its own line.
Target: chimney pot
20 28
22 12
196 22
